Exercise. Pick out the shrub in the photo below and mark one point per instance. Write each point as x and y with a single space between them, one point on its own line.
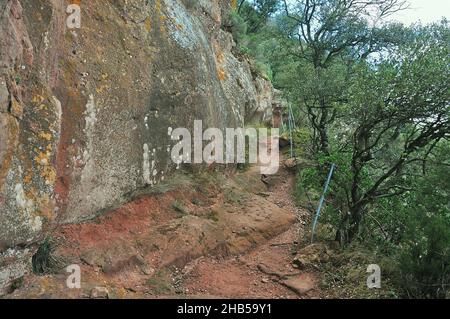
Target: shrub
44 260
238 27
425 259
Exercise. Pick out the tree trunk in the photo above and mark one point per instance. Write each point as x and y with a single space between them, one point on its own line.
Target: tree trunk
349 227
324 140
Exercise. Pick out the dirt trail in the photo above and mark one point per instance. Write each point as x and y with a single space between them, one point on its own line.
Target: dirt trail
263 272
224 237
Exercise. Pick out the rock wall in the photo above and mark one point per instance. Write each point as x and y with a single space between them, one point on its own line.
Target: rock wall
85 113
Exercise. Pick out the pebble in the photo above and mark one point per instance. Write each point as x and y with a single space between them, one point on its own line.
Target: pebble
99 293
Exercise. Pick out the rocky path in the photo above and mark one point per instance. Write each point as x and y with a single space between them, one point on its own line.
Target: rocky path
221 237
264 272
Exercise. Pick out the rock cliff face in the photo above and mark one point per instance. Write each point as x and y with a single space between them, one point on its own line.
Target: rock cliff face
85 113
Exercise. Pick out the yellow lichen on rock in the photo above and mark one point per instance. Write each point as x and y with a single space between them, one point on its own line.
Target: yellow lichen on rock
46 136
221 74
42 158
220 60
101 89
148 24
49 174
38 99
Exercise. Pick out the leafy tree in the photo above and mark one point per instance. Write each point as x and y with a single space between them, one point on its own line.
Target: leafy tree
376 100
397 114
257 12
330 30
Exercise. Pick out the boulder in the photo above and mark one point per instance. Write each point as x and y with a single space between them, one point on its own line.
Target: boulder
300 284
312 255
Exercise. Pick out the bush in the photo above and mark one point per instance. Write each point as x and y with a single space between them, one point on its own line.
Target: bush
425 260
44 261
238 27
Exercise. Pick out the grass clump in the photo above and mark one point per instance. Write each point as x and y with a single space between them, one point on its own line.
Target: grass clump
44 260
179 208
161 283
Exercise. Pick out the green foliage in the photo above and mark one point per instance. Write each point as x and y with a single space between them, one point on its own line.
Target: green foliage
256 37
375 100
264 70
425 258
179 208
257 12
44 260
161 282
17 284
344 276
301 137
212 215
238 27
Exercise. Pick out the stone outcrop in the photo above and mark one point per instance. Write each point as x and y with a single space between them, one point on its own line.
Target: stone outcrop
85 113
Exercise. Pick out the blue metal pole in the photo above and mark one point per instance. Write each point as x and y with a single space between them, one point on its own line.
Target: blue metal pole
293 128
327 183
290 132
293 118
